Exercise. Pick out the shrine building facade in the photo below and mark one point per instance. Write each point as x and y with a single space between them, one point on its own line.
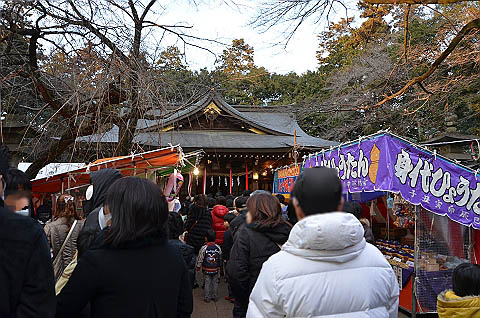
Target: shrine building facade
242 144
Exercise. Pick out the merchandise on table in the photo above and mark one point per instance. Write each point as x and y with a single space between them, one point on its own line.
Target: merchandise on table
404 212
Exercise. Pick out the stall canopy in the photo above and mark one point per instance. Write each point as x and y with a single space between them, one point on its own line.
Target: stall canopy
163 160
385 162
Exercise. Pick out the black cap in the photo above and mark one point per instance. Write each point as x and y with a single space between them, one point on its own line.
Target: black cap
318 190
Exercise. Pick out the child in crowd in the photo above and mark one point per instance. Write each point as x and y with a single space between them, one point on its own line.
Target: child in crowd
284 207
227 246
464 300
209 261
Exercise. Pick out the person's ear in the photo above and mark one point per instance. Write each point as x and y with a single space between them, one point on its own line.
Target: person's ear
298 209
340 205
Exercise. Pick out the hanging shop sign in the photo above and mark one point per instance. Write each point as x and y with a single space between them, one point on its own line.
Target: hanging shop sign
385 162
284 179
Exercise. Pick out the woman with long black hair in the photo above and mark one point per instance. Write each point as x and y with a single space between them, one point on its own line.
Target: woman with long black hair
131 270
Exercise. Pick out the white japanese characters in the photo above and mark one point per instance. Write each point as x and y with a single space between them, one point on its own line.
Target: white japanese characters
438 183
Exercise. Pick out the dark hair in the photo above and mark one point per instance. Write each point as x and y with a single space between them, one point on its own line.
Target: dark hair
17 181
221 201
318 190
466 280
229 197
247 193
211 235
219 194
265 210
281 198
229 203
260 191
229 217
4 160
138 209
354 208
211 202
292 214
175 225
240 202
200 201
85 239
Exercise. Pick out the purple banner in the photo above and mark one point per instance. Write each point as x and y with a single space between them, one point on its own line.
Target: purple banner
387 163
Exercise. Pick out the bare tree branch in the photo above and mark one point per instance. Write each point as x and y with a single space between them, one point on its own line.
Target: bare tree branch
474 24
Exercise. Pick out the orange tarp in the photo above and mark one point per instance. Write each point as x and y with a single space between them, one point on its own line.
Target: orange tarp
128 166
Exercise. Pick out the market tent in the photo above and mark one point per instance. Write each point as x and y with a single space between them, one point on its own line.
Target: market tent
446 228
160 159
389 163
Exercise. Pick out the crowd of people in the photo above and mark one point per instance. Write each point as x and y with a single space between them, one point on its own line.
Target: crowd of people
130 253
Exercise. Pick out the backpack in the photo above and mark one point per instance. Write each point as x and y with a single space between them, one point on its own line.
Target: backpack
212 260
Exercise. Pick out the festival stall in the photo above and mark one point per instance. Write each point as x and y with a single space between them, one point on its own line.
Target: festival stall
409 191
163 166
284 179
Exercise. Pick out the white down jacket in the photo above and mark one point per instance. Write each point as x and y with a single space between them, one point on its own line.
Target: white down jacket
326 269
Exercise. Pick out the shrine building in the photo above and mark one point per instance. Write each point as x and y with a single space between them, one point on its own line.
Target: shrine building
240 142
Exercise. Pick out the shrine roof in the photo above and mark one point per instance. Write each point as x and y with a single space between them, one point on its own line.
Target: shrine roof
275 127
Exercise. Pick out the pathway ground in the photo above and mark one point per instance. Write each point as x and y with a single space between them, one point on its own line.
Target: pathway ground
220 309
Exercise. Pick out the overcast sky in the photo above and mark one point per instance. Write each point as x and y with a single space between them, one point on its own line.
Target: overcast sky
223 22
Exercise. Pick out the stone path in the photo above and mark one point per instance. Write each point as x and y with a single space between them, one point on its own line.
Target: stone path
221 309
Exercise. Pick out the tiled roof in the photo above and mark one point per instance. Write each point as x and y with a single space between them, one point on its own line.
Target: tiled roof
277 122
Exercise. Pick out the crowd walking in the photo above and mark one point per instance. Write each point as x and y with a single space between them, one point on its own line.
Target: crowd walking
131 254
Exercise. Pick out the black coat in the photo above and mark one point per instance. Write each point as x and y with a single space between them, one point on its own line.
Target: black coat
238 222
188 253
199 221
227 244
145 278
91 223
27 286
252 246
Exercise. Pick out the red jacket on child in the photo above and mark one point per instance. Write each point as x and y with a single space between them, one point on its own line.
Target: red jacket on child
218 213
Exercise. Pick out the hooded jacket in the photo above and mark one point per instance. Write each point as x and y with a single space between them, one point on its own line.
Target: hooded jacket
453 306
101 181
326 269
218 212
252 246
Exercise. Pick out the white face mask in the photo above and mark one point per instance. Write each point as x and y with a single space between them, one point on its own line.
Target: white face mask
89 192
23 212
103 219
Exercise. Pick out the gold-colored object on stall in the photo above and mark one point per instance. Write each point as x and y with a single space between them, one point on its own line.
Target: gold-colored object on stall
374 158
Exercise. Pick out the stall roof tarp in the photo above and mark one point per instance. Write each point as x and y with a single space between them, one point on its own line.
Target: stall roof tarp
128 165
52 168
385 162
